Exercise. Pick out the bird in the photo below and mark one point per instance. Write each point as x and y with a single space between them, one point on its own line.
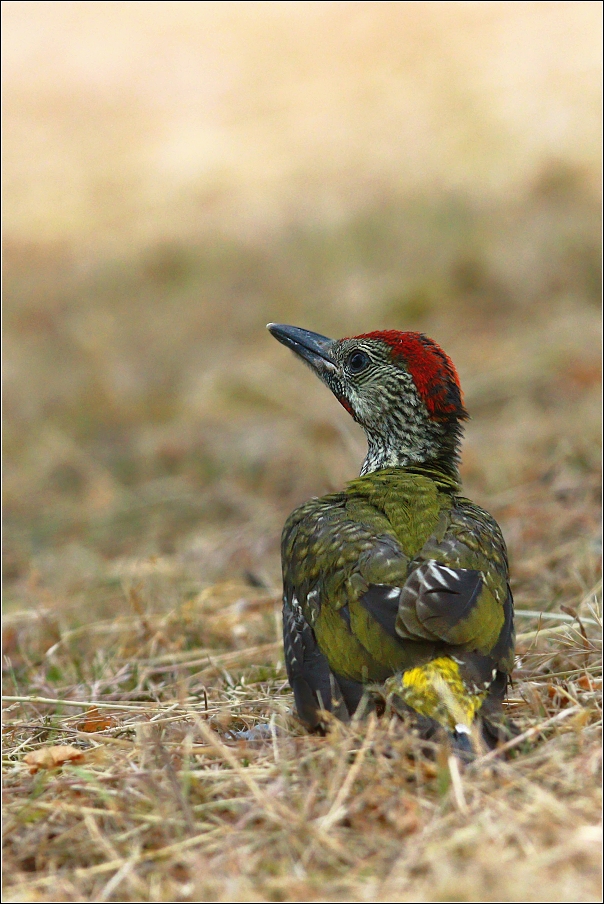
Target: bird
396 589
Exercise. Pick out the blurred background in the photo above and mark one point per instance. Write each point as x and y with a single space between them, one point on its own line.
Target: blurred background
178 174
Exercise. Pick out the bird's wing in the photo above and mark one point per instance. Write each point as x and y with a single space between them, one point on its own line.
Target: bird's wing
326 663
375 610
456 595
330 561
312 681
455 590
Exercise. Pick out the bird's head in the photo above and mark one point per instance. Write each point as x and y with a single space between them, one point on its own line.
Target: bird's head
399 386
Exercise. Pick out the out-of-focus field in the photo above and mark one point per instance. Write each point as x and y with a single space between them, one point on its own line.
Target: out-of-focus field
175 176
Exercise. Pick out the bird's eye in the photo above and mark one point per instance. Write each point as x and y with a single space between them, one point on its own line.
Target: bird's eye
357 362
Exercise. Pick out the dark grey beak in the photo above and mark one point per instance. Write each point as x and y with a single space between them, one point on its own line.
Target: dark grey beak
311 347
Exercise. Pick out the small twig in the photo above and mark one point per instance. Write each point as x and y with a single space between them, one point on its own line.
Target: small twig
336 811
82 810
456 784
526 735
553 616
118 877
542 632
123 707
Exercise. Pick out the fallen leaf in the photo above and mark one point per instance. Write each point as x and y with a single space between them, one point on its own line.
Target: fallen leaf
53 757
587 683
94 721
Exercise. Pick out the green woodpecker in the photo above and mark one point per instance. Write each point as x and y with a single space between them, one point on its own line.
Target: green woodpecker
398 584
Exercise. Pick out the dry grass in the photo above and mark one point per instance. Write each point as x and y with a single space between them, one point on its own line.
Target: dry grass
163 802
155 437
